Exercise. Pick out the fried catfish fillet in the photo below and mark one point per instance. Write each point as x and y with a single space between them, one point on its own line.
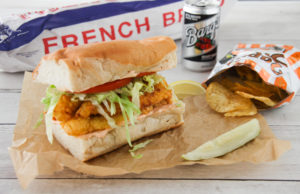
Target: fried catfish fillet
79 118
65 108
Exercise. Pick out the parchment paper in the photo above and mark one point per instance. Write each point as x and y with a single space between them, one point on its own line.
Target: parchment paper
33 155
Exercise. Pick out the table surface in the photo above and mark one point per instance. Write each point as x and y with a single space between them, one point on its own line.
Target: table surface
250 22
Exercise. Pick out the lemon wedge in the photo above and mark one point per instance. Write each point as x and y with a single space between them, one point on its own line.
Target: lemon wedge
226 142
185 88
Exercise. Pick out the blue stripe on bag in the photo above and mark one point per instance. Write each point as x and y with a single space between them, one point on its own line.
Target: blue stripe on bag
30 30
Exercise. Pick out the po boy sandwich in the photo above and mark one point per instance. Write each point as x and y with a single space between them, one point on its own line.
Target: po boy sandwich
104 95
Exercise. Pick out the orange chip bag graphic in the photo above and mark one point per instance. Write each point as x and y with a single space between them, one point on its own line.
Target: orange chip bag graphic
266 72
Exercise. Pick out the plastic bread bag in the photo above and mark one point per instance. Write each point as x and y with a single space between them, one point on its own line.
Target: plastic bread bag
267 74
26 38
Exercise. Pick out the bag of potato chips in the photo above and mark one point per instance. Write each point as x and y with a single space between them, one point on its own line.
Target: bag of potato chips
268 75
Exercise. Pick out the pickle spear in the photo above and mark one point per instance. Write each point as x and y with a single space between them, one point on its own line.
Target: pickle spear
226 142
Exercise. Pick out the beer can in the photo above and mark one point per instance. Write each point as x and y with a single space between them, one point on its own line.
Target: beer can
199 34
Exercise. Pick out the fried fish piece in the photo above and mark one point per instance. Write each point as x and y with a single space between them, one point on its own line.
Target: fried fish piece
84 117
80 126
65 108
160 93
86 109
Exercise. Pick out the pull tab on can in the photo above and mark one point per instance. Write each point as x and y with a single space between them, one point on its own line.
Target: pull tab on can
199 34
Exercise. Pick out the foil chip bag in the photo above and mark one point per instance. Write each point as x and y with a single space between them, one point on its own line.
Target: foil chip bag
265 75
26 37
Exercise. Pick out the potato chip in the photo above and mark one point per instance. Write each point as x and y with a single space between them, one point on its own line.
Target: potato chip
245 73
242 78
263 99
254 69
246 112
228 83
223 100
251 87
260 87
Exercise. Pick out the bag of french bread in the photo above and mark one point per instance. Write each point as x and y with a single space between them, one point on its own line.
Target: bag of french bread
26 37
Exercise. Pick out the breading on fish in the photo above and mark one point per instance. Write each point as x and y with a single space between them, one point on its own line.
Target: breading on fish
65 108
160 94
79 118
86 109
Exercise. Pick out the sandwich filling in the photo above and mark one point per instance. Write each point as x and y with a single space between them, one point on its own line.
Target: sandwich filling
83 113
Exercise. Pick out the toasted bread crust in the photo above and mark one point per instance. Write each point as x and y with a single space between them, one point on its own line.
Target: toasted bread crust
79 68
145 52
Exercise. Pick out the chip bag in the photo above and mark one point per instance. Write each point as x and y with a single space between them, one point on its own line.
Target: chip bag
267 74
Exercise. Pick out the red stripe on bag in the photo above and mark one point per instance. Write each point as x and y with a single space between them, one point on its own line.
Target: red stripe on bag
240 45
255 45
294 58
280 82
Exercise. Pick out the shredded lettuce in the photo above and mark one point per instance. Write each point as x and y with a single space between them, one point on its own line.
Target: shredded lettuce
135 93
149 82
137 147
142 84
128 108
52 97
50 101
110 120
127 97
126 123
39 121
112 109
76 97
106 104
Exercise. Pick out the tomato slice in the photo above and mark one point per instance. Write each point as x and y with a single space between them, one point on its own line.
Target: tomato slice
107 86
145 73
111 85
